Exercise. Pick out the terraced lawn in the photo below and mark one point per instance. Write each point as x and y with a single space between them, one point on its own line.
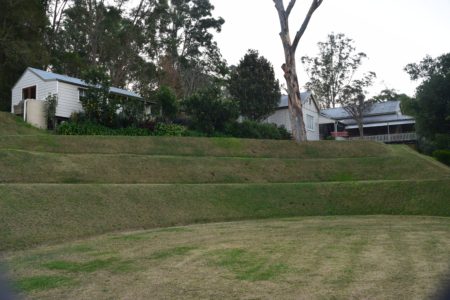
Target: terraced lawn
376 257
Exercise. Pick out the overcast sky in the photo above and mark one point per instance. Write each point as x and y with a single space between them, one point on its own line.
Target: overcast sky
392 33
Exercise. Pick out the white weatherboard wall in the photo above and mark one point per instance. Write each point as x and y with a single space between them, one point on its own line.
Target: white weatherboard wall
68 100
281 118
28 79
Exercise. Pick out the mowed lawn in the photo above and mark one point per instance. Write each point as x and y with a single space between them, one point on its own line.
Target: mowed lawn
373 257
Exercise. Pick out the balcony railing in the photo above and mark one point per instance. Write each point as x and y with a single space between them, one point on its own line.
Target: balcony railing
386 138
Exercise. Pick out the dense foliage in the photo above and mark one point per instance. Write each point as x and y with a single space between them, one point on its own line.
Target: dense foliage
252 83
168 102
255 130
145 44
443 156
87 128
431 106
22 32
98 104
210 111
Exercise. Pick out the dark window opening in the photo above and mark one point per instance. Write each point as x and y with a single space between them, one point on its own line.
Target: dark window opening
29 93
82 93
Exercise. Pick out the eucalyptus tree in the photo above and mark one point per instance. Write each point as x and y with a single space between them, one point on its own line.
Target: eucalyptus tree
355 101
180 37
289 67
94 34
332 69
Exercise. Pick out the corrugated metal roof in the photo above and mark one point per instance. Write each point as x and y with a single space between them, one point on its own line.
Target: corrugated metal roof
384 108
284 100
48 76
380 119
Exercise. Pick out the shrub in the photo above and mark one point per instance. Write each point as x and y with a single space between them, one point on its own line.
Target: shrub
52 102
86 128
443 156
194 133
162 129
98 104
168 101
210 112
255 130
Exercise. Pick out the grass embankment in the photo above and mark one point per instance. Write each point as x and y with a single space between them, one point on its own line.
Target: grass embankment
58 187
183 146
11 125
37 167
296 258
39 213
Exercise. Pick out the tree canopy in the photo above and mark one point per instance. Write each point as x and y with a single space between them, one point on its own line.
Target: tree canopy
22 42
253 84
431 105
140 45
354 99
388 95
332 69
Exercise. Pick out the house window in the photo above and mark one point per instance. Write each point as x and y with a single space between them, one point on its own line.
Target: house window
81 93
29 93
310 122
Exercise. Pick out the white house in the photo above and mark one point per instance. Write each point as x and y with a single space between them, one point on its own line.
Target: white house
38 84
383 122
311 114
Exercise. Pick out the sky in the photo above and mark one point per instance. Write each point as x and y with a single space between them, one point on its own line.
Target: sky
392 33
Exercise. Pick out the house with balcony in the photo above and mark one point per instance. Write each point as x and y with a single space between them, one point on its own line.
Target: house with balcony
382 122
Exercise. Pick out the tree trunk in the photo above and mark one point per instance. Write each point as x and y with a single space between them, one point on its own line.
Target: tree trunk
295 103
289 68
361 129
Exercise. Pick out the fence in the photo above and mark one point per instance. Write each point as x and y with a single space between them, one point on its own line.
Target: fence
395 137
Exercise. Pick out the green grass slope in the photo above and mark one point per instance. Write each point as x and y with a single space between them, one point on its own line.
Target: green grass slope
55 188
38 213
41 167
182 146
11 125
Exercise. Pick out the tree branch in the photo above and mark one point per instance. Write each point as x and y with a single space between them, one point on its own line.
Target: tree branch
281 13
138 11
289 8
314 5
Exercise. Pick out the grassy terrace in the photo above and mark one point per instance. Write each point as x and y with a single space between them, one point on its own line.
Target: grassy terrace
55 188
20 166
38 213
65 203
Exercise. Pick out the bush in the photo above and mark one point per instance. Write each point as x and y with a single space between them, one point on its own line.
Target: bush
168 101
162 129
194 133
443 156
210 112
255 130
98 104
87 128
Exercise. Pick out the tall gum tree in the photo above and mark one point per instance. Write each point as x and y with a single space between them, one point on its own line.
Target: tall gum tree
289 67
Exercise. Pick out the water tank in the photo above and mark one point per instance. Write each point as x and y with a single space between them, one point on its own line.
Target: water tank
36 113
